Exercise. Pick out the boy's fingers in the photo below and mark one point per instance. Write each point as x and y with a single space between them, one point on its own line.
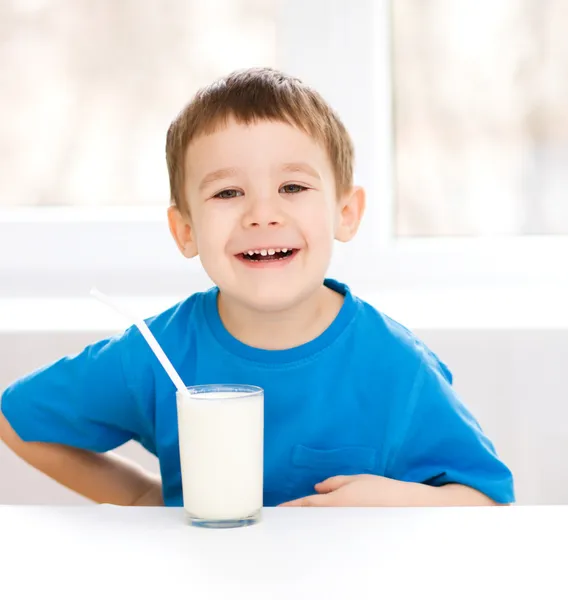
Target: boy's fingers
324 489
334 483
308 501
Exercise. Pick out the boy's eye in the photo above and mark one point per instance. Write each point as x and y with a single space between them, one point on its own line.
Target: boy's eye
292 188
226 194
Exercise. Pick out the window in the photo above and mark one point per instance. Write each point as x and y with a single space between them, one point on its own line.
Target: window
457 110
480 117
88 91
93 86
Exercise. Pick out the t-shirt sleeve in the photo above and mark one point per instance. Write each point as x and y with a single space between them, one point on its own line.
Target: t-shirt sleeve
443 443
81 401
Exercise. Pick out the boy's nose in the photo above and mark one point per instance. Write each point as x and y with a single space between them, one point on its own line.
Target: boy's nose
263 213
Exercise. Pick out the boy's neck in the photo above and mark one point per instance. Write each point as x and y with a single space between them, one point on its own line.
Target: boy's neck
283 329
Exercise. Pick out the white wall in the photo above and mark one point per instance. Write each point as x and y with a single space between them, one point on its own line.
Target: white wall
513 379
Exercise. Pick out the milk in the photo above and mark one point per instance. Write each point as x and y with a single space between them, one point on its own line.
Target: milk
221 435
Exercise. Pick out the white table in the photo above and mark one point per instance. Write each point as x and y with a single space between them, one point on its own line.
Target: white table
132 553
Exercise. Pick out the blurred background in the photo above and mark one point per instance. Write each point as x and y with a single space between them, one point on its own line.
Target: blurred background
479 93
459 113
94 86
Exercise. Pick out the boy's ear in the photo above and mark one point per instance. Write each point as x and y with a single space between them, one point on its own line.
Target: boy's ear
182 232
350 212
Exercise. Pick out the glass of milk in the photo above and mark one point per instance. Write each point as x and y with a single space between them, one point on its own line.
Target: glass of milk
221 442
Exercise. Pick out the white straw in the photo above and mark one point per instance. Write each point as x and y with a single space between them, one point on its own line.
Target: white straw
148 336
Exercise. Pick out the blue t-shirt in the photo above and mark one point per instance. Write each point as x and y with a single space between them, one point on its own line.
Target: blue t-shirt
364 397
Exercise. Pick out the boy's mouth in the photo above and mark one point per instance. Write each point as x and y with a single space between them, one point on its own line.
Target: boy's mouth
266 255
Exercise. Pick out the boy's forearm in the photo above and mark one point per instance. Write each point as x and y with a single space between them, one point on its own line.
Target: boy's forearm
452 494
103 478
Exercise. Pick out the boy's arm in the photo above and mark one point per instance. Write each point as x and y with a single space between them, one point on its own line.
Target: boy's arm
442 448
453 494
440 457
103 478
64 418
373 490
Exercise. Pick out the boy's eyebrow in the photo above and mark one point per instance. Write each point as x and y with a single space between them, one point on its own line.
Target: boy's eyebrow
216 175
300 167
295 167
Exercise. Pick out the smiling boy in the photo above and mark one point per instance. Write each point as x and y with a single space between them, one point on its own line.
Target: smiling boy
358 412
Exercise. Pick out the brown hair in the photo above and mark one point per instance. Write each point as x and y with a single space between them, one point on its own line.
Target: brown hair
249 96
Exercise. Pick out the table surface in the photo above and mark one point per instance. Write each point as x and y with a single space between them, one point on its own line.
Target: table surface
294 553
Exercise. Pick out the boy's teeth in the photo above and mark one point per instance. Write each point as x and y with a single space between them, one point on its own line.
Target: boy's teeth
265 252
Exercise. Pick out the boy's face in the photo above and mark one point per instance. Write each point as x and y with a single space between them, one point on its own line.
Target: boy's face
263 212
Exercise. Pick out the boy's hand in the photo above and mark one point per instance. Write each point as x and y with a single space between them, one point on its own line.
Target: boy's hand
374 490
356 490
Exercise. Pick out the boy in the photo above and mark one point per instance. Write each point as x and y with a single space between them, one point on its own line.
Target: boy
357 411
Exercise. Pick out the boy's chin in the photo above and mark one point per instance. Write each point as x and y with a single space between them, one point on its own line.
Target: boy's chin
268 300
270 303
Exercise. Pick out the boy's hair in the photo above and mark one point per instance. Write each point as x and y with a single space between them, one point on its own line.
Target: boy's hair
253 95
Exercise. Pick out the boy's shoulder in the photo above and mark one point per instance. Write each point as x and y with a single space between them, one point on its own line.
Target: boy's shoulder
172 326
180 314
384 337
